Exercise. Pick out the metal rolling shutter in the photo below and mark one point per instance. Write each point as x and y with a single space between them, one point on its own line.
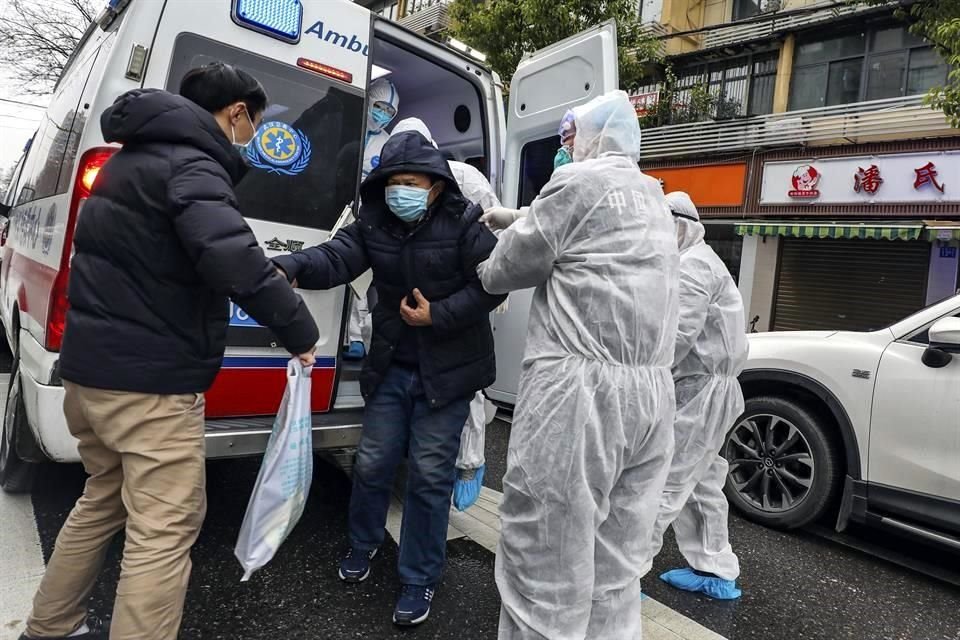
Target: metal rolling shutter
853 285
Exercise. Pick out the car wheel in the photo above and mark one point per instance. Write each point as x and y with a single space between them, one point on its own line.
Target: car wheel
16 475
785 469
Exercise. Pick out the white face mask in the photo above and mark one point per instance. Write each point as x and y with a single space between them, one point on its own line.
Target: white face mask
242 146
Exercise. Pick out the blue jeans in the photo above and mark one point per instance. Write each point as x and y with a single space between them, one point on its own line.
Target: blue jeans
398 421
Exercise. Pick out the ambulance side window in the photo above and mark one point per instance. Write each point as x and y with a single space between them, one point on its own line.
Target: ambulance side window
305 157
50 166
536 167
25 190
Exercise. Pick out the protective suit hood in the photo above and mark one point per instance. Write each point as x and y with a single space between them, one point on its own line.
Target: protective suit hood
606 126
690 231
381 90
414 124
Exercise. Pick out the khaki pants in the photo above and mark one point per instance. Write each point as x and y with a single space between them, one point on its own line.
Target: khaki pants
145 457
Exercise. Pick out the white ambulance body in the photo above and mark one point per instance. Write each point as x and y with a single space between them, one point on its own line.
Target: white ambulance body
316 60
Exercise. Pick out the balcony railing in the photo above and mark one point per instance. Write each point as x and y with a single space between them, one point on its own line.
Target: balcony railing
778 22
876 121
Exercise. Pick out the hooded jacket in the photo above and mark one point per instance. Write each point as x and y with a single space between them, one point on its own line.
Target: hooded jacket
473 185
439 256
160 249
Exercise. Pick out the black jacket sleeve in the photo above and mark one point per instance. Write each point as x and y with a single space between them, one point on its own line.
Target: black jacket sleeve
464 308
228 258
338 261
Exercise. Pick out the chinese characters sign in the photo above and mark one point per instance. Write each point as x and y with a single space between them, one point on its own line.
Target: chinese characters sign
644 102
927 174
899 178
867 180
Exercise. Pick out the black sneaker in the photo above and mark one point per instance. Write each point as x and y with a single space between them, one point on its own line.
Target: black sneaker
97 631
413 607
355 566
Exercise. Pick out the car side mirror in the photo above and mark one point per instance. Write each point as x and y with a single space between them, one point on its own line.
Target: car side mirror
944 343
5 210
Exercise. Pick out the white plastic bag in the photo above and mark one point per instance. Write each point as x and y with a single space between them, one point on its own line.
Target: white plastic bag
471 440
283 483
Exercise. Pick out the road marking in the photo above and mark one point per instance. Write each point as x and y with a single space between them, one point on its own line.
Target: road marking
481 523
21 560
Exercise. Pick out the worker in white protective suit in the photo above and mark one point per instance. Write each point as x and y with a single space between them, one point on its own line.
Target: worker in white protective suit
384 103
710 353
592 436
470 461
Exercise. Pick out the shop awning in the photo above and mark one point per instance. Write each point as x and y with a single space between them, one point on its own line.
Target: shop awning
853 231
944 231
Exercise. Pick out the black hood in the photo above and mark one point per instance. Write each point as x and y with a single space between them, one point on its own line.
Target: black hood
154 116
407 152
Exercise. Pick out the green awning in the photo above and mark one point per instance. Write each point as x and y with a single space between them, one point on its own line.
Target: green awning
853 231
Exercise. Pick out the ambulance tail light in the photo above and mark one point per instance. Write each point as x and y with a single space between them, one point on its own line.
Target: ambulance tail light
325 70
87 173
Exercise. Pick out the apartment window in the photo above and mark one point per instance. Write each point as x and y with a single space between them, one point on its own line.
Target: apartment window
414 6
877 63
763 82
389 11
744 84
746 9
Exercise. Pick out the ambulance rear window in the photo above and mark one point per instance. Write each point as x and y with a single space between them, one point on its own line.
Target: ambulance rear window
536 166
304 159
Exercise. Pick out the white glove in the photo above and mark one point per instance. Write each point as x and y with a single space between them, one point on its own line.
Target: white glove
499 218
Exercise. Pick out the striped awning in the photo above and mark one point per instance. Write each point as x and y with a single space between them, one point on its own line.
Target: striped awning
852 231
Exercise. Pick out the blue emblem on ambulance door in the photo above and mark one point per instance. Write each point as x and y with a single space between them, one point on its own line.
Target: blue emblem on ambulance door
279 148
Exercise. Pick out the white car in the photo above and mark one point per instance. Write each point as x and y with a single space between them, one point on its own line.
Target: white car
870 419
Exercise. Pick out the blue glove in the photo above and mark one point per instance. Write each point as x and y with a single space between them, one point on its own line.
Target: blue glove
467 488
713 587
356 351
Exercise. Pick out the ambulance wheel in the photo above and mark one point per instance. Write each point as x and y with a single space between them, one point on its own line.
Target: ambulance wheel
16 474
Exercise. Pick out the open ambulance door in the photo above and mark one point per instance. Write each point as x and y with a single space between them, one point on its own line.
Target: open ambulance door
304 169
545 85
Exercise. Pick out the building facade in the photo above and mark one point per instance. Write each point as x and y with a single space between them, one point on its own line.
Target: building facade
823 179
799 128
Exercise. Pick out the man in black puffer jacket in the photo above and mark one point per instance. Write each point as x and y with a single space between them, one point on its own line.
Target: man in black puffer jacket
160 248
432 349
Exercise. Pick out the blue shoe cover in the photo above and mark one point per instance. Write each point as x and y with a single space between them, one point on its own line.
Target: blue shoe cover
688 580
356 351
467 488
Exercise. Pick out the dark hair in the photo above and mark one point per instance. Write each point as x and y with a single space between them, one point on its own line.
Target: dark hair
217 85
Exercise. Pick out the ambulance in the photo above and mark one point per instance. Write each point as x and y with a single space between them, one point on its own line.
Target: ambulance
316 59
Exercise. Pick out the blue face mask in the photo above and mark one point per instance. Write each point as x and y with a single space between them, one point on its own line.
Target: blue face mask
563 157
380 117
407 203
